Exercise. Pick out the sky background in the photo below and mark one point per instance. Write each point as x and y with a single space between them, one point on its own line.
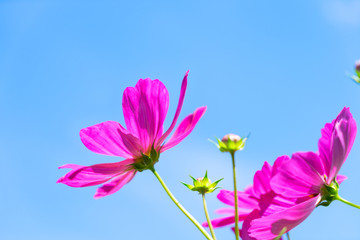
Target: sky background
276 69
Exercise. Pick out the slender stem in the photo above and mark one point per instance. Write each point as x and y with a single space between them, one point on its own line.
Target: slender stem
347 202
192 219
208 218
236 198
288 235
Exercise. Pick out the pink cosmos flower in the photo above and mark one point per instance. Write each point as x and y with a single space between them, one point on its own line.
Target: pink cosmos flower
252 199
145 107
311 178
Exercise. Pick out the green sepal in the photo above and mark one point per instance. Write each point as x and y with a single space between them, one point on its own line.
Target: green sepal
356 78
203 185
329 193
146 161
231 145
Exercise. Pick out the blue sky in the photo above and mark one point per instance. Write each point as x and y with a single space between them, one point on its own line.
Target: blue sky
275 69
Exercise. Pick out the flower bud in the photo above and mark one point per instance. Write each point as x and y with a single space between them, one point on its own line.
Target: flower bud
231 143
232 137
357 67
203 185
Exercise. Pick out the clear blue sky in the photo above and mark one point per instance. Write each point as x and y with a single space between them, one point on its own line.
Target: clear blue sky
272 68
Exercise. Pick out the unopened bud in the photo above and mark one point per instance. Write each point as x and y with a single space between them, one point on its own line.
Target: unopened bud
357 67
231 137
231 143
203 185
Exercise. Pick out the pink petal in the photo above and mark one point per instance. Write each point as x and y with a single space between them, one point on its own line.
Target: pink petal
324 146
177 113
278 162
84 176
343 137
245 201
244 232
223 221
340 178
298 177
268 227
145 107
225 211
184 129
114 185
110 138
220 222
262 180
271 203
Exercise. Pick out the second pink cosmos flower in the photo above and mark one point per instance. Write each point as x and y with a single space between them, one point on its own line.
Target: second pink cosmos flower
145 107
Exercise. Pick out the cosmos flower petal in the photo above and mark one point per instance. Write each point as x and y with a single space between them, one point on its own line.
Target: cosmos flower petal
262 180
225 211
184 128
145 107
115 184
244 232
298 177
324 146
177 113
84 176
278 162
340 178
110 138
245 201
223 221
268 227
343 137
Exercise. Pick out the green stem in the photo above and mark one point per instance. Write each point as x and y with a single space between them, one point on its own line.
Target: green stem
208 218
288 235
347 202
192 219
236 198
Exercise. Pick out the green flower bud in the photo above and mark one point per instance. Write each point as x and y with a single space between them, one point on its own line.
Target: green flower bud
231 143
203 185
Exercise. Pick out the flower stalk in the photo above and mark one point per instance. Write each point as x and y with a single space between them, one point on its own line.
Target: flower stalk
208 218
192 219
235 196
346 202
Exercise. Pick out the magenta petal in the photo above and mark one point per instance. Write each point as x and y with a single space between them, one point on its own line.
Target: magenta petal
244 232
245 201
343 137
110 138
262 180
267 228
184 129
278 162
223 221
114 185
340 178
225 211
298 177
324 146
178 110
145 107
220 222
84 176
